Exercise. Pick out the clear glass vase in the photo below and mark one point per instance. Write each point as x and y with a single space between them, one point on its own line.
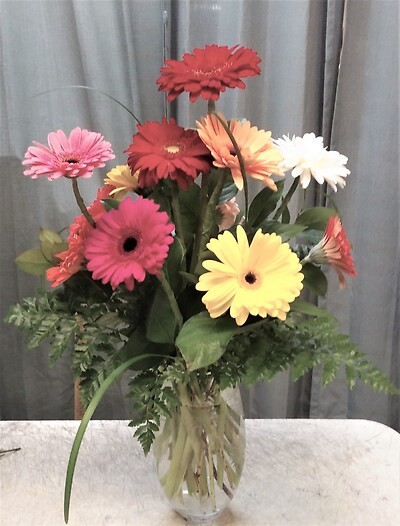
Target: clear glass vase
199 451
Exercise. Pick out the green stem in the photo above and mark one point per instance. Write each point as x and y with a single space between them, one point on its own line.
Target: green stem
177 216
241 164
208 221
80 202
172 300
287 198
202 213
180 448
211 106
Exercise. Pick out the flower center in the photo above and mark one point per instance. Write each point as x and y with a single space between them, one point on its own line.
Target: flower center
172 148
250 278
72 161
129 244
210 72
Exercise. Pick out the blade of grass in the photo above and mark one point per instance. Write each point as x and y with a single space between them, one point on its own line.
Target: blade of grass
85 421
92 89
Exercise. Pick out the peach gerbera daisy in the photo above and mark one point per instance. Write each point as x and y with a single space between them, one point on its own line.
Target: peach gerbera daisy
261 157
259 279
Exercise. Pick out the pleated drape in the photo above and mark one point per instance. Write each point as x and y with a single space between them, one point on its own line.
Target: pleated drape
328 66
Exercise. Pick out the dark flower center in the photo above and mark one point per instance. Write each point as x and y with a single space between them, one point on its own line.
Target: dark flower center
72 161
129 244
250 278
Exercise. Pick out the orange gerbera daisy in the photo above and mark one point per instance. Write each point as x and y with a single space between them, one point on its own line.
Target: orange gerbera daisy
72 260
334 249
261 157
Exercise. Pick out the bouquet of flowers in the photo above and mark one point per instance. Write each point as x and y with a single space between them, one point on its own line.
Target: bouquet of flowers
174 275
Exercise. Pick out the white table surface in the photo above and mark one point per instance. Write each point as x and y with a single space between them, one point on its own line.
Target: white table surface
297 472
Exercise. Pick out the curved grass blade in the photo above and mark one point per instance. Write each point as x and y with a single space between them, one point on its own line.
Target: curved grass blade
92 89
85 421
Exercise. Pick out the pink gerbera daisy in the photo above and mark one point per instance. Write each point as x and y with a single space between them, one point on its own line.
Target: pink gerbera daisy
334 249
208 72
128 243
161 150
72 260
75 156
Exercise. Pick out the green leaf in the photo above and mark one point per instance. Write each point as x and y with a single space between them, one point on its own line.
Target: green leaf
228 192
315 218
315 279
189 206
161 322
203 340
138 344
84 423
49 236
304 307
33 261
51 244
110 204
263 204
286 231
174 263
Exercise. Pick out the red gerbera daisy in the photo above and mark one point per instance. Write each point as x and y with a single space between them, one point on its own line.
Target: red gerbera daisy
128 243
75 156
334 249
72 259
161 150
207 72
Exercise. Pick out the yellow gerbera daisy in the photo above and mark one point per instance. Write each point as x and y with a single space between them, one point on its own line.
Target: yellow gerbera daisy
258 279
123 180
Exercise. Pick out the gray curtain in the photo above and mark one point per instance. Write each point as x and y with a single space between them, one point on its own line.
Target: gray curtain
328 66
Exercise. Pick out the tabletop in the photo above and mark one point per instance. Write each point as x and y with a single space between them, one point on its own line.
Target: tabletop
297 472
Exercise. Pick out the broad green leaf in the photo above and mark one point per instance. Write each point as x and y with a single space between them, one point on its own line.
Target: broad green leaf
203 340
286 216
263 204
315 218
33 261
315 279
84 423
138 344
304 307
159 196
51 244
285 231
189 205
161 322
50 236
173 265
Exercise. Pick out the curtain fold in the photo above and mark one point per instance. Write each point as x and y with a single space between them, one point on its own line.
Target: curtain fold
328 66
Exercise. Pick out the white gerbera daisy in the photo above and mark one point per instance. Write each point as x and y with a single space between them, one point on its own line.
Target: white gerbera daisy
306 157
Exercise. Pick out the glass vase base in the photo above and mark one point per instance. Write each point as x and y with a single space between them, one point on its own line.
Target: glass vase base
194 518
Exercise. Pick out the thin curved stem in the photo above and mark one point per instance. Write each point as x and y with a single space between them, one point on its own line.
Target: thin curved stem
80 202
287 198
172 300
241 164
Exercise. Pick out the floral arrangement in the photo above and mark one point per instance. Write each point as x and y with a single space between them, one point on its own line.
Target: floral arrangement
173 273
